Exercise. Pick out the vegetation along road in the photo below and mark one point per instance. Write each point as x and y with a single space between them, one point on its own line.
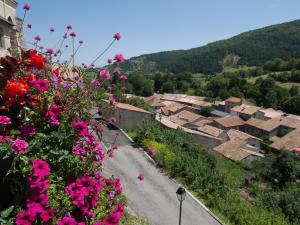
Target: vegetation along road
154 198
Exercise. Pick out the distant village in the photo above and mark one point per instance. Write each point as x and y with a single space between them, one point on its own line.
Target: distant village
234 128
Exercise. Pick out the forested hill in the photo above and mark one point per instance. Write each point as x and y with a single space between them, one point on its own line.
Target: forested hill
250 48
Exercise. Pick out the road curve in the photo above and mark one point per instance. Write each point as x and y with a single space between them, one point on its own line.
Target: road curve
154 198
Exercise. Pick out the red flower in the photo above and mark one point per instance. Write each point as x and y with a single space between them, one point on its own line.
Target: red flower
31 78
16 88
35 60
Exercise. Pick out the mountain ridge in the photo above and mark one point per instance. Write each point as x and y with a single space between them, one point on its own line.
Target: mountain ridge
253 47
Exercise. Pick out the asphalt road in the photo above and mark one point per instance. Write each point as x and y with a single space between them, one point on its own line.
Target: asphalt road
154 198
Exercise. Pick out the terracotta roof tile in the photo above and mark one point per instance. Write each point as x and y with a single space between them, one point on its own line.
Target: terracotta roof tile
130 107
231 121
234 100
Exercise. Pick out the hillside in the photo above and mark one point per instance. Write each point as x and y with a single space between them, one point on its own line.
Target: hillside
252 48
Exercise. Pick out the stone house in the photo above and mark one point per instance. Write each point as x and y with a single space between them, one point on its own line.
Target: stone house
11 30
227 123
244 111
232 102
127 116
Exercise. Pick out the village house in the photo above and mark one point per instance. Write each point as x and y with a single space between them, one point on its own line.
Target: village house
231 122
219 105
204 139
171 108
184 117
290 141
218 113
240 146
278 126
11 30
267 114
202 121
232 102
238 150
127 116
213 131
244 111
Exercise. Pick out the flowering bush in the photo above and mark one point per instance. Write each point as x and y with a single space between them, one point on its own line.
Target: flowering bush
51 140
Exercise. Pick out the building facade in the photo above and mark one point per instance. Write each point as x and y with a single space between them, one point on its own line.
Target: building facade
11 29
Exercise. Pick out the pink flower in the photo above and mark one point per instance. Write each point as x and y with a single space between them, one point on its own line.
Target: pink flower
151 151
8 139
41 85
67 221
111 99
26 7
109 61
96 83
47 215
104 74
34 208
81 42
97 223
73 34
113 119
37 38
19 146
53 114
29 26
27 130
119 58
38 186
109 88
1 138
41 199
40 168
41 47
123 77
117 71
117 36
141 176
5 120
25 218
81 128
52 29
49 51
69 27
78 150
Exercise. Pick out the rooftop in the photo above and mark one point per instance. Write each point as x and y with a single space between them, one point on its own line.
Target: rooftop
271 113
236 150
187 115
231 121
219 113
246 109
233 100
271 124
236 134
130 107
290 141
213 131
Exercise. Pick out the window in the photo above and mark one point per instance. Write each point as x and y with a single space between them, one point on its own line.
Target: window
9 19
1 38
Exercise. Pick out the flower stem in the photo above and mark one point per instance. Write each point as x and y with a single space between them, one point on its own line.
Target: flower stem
105 50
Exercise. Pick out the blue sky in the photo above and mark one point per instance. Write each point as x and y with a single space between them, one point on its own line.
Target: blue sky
150 26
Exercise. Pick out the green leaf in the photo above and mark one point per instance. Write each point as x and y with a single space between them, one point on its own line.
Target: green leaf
5 213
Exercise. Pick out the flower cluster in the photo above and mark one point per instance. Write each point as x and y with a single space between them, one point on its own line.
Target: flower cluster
85 194
45 121
37 203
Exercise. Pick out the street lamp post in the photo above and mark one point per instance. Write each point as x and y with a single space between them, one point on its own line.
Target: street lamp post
181 196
